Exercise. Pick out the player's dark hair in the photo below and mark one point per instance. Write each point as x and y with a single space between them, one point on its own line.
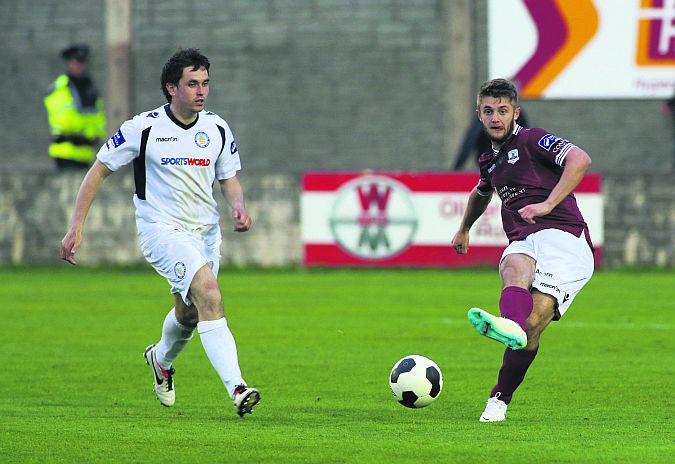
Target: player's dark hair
173 69
498 88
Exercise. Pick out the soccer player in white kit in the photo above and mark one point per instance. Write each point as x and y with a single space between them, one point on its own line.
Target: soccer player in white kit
178 150
550 256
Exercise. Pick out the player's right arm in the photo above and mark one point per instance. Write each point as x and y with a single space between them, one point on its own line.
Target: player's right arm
476 206
85 196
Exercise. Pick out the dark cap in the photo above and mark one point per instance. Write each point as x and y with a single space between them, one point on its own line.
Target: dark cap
79 52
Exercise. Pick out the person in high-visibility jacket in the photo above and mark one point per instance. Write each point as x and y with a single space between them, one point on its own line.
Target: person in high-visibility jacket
75 111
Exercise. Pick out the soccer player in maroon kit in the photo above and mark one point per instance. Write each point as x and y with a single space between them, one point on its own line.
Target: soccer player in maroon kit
550 256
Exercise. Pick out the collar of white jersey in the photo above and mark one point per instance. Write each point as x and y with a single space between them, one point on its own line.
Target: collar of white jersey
169 113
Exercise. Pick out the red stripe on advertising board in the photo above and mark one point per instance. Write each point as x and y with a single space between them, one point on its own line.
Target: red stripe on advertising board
420 181
415 181
415 256
591 183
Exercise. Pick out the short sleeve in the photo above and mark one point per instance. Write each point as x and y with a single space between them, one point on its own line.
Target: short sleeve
228 162
484 186
549 146
122 147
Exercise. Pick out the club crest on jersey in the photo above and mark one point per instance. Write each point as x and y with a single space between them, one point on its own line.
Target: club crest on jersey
179 269
512 156
202 139
547 141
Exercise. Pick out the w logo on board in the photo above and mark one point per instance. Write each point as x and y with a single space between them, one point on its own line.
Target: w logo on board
373 217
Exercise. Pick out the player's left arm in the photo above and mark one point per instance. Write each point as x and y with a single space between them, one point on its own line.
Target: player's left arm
577 163
234 194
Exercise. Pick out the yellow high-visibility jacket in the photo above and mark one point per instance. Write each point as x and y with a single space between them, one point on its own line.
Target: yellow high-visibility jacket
74 129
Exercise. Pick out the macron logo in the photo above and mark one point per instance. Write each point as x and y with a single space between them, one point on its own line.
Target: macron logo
166 139
186 162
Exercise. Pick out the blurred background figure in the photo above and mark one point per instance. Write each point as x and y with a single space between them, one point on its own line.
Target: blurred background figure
75 112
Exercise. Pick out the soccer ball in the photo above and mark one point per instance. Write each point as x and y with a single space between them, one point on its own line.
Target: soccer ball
416 381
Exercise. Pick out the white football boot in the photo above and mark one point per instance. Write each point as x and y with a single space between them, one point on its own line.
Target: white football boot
501 329
245 398
162 379
495 411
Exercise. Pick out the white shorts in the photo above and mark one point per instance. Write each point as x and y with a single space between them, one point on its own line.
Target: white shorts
564 264
177 254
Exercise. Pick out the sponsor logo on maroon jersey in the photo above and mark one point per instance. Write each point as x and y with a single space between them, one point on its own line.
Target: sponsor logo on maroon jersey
547 141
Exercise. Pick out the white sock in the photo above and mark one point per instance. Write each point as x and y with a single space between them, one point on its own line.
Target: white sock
174 338
222 352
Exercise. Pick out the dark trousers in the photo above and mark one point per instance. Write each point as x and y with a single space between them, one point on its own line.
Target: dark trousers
67 165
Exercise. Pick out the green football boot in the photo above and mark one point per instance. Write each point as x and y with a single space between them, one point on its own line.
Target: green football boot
501 329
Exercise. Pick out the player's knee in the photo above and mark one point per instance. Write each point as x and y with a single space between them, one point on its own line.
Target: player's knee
209 302
517 269
516 280
515 276
211 296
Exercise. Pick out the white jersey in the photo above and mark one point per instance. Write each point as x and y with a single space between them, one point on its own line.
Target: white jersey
175 165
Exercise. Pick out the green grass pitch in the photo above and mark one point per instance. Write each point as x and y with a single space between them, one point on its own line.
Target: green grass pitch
319 344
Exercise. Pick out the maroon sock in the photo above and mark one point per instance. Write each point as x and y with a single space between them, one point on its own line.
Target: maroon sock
512 372
516 304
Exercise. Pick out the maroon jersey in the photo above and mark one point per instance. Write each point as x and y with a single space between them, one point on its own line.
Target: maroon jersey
523 172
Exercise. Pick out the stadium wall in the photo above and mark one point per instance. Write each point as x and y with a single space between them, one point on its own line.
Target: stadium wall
306 85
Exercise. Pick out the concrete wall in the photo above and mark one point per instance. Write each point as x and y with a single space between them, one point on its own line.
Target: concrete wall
306 85
36 212
640 219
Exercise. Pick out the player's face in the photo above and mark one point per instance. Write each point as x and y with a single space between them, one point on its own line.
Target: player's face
498 117
190 95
